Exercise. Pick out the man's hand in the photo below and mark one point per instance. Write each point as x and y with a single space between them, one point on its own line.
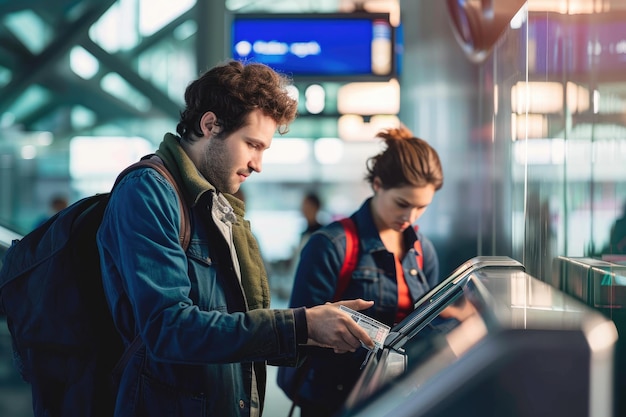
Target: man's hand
331 327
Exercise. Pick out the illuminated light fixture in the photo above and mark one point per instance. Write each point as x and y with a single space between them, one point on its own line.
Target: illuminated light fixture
185 30
496 99
578 98
569 6
596 102
293 92
315 99
368 98
328 150
82 117
287 151
384 121
30 29
5 76
528 126
7 119
43 138
352 127
154 14
537 97
547 97
609 99
539 152
602 338
112 32
105 156
29 152
118 87
83 63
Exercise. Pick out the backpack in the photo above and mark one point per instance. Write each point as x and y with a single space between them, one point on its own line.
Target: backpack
352 256
64 341
291 378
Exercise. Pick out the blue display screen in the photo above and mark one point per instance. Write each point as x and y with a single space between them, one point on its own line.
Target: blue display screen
316 46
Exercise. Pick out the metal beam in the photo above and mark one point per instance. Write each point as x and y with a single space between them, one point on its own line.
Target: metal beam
159 35
87 93
159 99
41 63
213 35
12 49
12 6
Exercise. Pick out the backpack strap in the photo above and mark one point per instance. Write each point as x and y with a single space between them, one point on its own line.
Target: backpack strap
156 163
350 259
419 254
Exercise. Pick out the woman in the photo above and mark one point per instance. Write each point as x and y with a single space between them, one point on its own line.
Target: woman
404 178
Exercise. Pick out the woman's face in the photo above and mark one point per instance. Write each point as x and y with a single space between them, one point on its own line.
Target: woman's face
398 208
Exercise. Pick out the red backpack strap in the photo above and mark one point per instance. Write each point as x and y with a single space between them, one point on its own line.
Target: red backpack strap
419 255
350 258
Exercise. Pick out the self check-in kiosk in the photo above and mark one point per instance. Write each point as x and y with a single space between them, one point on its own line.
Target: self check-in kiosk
492 340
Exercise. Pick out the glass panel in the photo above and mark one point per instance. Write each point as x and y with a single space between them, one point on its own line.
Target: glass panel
558 96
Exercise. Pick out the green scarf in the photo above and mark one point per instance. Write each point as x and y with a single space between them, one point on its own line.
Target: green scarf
253 274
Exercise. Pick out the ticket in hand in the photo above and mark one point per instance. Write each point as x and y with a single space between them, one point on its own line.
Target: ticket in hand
376 330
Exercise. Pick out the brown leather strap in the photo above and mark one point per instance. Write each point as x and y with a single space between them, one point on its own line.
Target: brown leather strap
154 162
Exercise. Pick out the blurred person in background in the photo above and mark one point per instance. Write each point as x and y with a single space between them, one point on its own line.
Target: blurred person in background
617 236
56 203
310 209
404 178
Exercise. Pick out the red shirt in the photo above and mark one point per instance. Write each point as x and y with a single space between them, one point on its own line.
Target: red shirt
405 306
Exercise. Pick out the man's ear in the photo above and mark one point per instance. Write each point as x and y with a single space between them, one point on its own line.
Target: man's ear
377 184
207 124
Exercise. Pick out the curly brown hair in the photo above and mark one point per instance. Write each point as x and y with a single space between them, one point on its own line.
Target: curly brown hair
406 160
232 90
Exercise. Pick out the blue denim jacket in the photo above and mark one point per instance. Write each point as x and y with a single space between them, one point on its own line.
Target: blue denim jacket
202 348
332 375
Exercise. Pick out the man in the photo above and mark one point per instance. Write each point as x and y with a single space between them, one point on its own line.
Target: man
203 315
310 208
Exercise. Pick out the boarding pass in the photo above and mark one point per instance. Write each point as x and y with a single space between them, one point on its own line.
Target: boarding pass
376 330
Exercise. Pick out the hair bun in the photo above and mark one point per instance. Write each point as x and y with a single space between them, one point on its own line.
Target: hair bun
396 133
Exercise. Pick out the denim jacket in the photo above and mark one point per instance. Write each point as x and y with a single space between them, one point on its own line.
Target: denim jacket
203 352
331 376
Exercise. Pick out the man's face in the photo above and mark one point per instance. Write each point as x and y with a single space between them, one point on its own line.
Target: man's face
227 161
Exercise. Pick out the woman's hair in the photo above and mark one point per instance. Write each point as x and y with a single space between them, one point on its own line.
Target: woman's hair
231 91
406 160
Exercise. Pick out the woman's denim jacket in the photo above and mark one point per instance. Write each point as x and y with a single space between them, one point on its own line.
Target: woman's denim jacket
204 352
374 278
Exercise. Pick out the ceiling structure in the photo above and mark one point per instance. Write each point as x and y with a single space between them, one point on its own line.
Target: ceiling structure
54 87
41 91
